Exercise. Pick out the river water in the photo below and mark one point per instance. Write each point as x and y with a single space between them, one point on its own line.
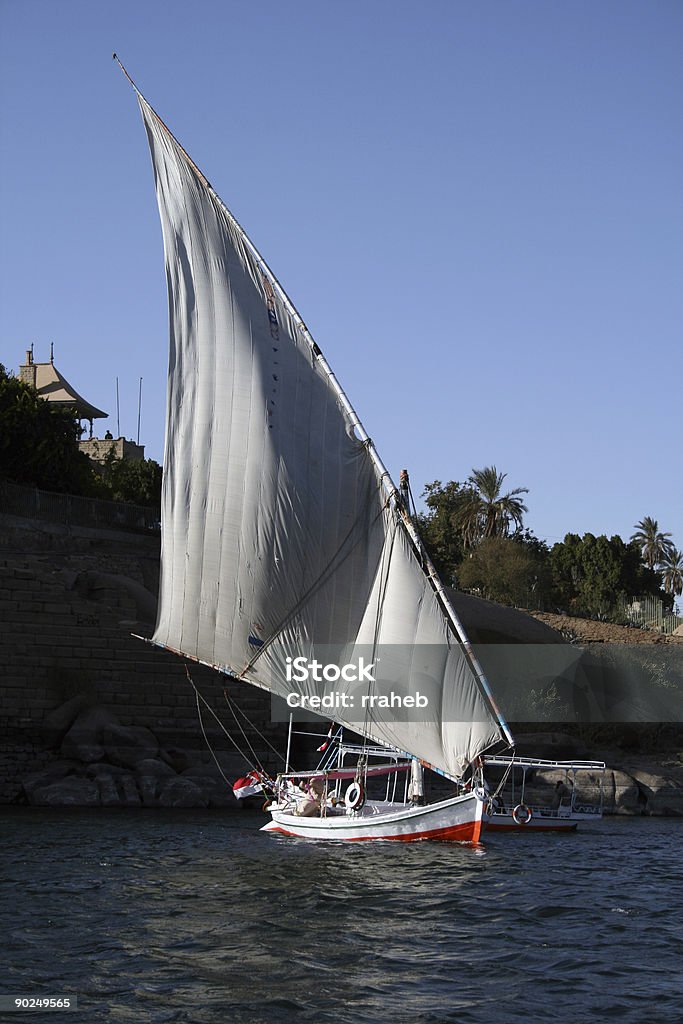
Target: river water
199 917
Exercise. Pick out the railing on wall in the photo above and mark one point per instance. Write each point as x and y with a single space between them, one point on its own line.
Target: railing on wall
73 510
648 613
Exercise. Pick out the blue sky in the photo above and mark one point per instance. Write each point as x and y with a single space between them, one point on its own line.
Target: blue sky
477 209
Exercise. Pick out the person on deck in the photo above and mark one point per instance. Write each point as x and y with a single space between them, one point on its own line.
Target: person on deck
563 794
312 806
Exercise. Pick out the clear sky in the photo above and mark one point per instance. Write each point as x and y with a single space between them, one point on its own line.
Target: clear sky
476 207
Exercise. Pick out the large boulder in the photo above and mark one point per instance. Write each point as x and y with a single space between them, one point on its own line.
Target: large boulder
130 796
212 785
662 795
68 792
154 766
148 787
57 722
53 773
182 793
109 792
84 740
100 769
180 760
151 775
127 745
622 795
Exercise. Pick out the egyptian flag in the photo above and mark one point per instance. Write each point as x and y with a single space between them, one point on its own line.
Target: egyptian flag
247 786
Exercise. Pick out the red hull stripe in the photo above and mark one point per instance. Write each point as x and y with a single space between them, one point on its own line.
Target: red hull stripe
467 833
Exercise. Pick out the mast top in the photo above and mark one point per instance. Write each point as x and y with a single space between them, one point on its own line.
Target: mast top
116 58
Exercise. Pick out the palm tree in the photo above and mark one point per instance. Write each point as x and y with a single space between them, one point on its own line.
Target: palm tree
484 511
654 545
671 567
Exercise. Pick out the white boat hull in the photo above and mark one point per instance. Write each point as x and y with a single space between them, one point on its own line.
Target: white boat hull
542 820
459 819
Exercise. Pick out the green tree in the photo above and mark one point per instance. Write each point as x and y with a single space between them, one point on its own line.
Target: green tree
135 480
39 441
671 568
437 528
507 570
485 511
589 574
653 544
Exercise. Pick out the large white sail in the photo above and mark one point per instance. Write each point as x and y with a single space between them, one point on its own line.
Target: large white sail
278 538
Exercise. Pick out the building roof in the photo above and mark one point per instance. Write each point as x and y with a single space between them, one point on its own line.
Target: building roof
53 387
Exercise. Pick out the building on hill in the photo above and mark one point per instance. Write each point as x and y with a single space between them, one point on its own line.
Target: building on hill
53 387
98 449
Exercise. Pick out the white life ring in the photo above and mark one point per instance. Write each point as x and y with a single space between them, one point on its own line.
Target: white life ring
354 797
522 814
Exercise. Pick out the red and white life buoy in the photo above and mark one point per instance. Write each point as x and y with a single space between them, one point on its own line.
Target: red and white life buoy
522 814
354 797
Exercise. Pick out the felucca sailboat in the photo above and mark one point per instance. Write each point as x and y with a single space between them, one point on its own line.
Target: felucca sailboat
285 543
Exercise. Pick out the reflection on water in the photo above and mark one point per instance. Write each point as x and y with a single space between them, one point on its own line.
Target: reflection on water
201 918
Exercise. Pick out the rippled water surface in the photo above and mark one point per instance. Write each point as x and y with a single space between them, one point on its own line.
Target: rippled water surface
200 917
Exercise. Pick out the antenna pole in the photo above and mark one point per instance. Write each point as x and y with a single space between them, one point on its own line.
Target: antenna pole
118 419
139 408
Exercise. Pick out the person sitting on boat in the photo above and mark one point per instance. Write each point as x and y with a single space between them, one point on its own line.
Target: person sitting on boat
311 807
562 794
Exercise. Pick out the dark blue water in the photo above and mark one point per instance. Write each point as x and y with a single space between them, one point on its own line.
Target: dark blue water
202 918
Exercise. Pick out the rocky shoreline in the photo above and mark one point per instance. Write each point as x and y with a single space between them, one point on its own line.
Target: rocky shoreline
98 762
646 786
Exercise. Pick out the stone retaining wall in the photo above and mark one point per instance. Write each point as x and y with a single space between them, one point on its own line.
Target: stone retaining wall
70 599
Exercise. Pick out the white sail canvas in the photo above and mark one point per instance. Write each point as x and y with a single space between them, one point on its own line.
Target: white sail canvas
279 535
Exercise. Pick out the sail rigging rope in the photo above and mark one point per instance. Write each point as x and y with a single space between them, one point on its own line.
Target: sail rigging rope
254 727
199 697
206 738
501 785
231 705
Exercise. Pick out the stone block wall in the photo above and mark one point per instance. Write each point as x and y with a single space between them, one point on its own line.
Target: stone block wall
70 600
97 449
